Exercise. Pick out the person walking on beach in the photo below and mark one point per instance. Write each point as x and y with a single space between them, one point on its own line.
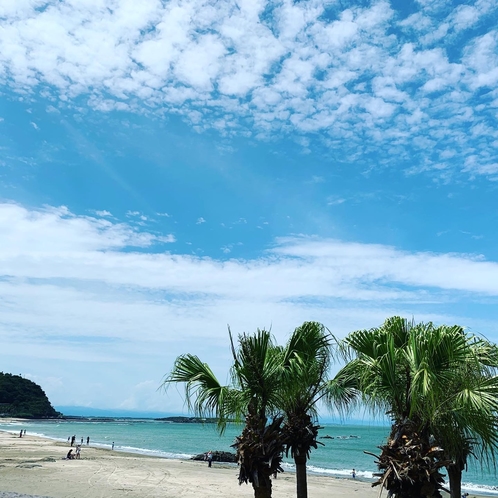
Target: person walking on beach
210 458
88 440
112 445
353 474
78 451
73 439
20 434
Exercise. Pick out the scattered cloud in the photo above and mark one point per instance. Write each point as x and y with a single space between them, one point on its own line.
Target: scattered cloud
200 221
379 83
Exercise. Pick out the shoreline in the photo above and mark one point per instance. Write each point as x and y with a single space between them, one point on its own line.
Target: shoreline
41 459
35 466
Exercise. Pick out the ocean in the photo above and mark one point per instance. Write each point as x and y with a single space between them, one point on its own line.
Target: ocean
337 457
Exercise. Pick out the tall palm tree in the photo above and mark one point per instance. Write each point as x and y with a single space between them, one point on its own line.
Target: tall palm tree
439 387
304 375
251 395
466 421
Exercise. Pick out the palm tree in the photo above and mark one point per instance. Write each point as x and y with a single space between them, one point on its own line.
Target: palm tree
266 380
439 387
252 394
305 364
466 421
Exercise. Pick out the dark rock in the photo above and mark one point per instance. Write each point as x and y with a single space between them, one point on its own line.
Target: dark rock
218 456
187 420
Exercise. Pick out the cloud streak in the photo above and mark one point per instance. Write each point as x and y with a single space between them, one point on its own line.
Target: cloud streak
54 243
107 297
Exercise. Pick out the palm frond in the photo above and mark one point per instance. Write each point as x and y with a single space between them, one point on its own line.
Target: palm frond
204 395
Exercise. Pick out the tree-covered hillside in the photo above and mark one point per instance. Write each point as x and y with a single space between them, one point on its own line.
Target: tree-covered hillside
23 398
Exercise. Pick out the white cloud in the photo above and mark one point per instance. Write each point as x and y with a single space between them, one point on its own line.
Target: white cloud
346 75
57 231
200 221
80 303
103 213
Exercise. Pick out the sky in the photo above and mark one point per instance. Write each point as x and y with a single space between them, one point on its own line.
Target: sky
169 168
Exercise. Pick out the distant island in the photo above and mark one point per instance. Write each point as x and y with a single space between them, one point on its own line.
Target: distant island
187 420
24 398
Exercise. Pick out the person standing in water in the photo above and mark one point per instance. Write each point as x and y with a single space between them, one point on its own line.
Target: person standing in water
112 445
353 474
88 440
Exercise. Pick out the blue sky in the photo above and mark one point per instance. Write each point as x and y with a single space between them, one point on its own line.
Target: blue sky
171 167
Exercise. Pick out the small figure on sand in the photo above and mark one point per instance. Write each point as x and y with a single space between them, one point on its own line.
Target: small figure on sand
24 431
209 458
78 451
20 434
353 474
81 441
68 438
73 439
112 445
70 455
88 440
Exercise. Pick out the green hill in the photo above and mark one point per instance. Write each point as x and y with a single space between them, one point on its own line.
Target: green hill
23 398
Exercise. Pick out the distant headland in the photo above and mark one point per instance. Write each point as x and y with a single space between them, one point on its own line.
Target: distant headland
23 398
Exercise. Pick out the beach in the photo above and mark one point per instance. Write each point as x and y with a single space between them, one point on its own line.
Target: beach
36 466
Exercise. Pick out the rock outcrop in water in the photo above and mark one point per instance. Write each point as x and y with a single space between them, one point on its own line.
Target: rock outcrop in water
187 420
218 456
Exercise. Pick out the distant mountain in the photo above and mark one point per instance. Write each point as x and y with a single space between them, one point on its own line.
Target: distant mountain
23 398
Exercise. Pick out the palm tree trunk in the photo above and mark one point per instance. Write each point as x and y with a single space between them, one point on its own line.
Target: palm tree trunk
301 478
455 478
262 491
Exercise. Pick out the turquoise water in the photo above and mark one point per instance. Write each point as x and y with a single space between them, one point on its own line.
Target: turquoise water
336 458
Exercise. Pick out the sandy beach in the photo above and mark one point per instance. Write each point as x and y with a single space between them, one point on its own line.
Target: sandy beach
36 466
